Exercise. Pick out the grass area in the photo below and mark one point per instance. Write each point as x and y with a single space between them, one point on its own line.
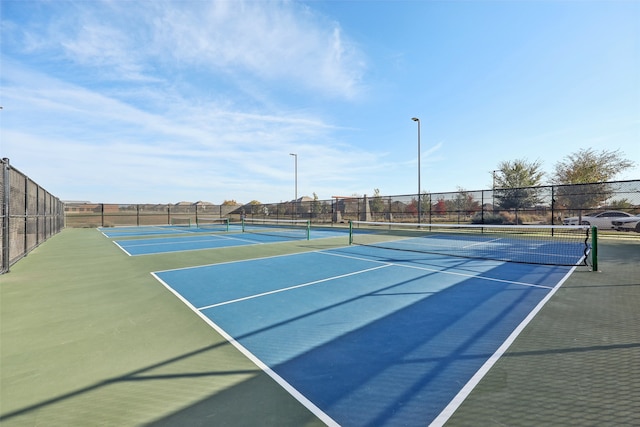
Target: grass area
88 337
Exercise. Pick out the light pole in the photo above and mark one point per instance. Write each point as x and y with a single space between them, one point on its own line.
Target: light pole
415 119
295 202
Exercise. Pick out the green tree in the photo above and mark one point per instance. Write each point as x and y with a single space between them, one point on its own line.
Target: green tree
582 177
516 182
588 166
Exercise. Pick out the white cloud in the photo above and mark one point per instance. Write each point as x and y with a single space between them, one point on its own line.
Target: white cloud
81 143
281 42
274 40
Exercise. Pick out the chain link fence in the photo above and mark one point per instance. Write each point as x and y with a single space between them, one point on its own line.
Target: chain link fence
85 214
30 215
545 205
528 205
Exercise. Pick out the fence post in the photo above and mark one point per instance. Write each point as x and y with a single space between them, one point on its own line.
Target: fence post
594 248
553 205
6 193
26 214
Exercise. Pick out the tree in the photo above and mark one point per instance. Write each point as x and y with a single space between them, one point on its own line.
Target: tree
588 166
376 203
515 182
440 207
589 171
315 205
465 203
256 207
412 207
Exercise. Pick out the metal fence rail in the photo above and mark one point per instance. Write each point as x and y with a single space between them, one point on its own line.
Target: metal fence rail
30 215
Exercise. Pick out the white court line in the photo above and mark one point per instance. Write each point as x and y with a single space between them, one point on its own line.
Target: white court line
481 243
177 240
266 369
448 411
123 249
238 261
446 271
302 285
255 242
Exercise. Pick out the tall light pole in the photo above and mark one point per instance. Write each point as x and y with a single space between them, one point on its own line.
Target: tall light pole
296 163
415 119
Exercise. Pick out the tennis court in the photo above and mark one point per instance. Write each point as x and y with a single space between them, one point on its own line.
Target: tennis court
219 236
351 334
151 230
365 335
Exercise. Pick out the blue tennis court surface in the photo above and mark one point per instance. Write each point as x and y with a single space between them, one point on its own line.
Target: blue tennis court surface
209 240
367 336
152 230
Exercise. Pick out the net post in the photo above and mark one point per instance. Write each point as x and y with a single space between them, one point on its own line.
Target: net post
242 223
226 221
594 248
350 232
308 229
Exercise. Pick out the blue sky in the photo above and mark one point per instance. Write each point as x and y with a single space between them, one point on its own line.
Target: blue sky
168 101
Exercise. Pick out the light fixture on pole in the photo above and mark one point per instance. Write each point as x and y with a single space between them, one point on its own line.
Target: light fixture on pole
415 119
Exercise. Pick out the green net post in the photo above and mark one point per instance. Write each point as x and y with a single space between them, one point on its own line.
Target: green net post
308 229
242 222
226 221
350 232
594 248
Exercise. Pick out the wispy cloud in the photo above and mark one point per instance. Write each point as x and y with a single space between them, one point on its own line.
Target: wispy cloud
184 151
124 91
282 41
278 41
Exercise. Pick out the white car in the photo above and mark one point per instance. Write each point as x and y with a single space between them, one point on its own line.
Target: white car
627 224
602 220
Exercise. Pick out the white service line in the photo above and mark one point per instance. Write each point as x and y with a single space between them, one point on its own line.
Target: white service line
302 285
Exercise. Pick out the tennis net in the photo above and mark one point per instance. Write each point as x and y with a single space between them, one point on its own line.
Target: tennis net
529 244
180 222
213 223
286 228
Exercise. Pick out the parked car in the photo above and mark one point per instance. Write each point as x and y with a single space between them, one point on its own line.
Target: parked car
602 220
627 224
